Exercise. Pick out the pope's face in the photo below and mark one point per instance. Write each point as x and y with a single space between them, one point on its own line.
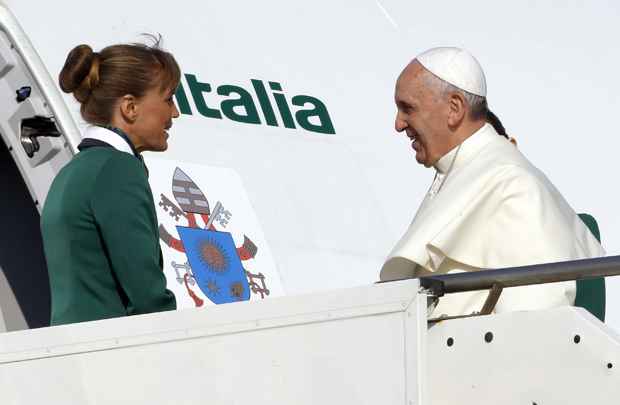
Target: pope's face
422 114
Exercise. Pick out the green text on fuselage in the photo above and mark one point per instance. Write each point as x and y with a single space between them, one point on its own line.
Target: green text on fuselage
239 105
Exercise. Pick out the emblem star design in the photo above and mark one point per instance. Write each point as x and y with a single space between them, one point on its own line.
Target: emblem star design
213 287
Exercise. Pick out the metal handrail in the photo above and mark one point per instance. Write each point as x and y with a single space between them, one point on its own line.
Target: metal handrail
521 276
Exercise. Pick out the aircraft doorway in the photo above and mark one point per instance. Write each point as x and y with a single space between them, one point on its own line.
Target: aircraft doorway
24 284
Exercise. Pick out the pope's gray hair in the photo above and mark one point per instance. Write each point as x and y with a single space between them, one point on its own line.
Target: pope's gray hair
477 104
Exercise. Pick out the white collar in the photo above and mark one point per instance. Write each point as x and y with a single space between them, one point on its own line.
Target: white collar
468 148
444 162
110 137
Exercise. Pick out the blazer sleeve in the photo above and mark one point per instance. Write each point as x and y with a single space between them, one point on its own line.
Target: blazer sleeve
125 215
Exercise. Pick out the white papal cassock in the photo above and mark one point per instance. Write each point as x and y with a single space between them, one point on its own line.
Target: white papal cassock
489 207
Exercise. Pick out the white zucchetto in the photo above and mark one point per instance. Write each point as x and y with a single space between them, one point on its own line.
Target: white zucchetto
457 67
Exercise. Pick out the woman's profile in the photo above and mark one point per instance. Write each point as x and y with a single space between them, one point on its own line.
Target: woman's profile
99 224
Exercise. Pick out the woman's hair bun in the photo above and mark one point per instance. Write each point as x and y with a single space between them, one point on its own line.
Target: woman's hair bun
80 74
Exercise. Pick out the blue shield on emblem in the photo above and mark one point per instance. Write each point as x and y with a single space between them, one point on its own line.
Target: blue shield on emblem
215 264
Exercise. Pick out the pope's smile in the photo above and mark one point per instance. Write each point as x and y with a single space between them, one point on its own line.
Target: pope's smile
414 140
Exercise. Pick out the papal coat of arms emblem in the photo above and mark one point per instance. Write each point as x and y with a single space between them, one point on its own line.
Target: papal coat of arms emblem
213 262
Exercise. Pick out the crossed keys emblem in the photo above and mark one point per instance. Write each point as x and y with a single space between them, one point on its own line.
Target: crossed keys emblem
190 204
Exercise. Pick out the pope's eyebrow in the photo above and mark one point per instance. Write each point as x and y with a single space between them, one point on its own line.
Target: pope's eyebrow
403 104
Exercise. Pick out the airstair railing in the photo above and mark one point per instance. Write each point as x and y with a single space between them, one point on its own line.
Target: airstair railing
440 285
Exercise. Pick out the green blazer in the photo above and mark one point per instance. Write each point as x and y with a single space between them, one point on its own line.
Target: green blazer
101 240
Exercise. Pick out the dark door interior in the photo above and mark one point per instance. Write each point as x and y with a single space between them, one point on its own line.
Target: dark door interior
21 248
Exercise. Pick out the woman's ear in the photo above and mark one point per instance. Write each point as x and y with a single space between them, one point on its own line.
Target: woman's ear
456 109
129 108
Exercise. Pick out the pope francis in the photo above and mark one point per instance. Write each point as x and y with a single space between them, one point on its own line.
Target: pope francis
488 206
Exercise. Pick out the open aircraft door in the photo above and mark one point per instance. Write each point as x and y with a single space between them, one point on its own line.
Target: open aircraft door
38 136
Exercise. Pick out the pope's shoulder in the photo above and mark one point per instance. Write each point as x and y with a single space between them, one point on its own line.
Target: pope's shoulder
513 172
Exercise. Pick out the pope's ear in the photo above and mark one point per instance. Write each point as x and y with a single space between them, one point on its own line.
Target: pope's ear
456 109
129 108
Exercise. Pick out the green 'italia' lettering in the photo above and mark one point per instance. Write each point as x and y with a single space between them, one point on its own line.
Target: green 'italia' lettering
319 110
239 105
285 112
265 105
244 100
182 101
197 89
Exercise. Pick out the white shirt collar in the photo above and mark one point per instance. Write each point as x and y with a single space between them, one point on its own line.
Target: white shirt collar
468 148
444 162
109 137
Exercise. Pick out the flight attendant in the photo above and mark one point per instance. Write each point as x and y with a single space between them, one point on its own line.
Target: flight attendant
99 224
